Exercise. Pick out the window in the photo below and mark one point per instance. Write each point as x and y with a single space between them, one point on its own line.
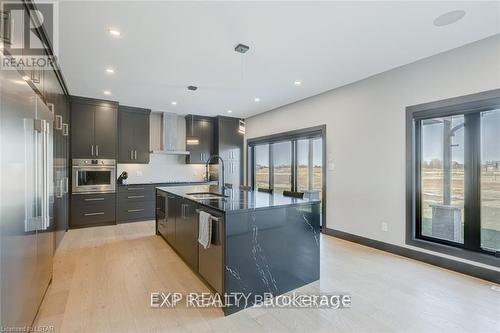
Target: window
292 161
454 176
282 166
490 180
303 167
261 166
442 178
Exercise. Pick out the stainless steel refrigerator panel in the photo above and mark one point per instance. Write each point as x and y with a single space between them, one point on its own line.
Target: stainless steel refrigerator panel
45 231
20 202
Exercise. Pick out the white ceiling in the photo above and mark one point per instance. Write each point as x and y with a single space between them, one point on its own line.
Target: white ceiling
166 46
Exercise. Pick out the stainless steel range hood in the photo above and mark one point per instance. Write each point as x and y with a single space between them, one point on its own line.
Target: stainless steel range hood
168 136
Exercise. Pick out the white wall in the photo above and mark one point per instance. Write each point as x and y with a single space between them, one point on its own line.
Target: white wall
366 133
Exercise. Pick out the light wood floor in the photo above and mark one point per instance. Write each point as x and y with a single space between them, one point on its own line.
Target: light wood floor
103 277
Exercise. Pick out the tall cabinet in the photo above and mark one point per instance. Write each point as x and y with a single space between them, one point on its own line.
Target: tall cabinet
229 145
33 172
94 128
58 101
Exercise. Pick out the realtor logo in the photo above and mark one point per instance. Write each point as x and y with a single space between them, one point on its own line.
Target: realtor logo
28 34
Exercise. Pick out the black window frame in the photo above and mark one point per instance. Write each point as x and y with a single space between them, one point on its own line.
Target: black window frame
471 107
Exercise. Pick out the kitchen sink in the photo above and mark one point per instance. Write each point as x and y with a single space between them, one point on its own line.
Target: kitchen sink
207 195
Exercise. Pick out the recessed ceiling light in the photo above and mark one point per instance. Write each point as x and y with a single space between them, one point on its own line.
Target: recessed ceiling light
114 32
106 92
256 99
229 111
173 103
26 78
110 70
449 18
297 82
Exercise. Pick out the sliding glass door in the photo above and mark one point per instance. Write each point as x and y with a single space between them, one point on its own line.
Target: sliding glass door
291 161
291 165
261 166
282 166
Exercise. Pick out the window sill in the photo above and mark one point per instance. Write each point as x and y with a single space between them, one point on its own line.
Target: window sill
483 258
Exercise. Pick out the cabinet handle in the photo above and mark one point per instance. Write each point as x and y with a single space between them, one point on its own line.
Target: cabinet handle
96 150
58 122
66 186
94 214
135 210
94 199
65 129
92 150
135 196
135 154
135 188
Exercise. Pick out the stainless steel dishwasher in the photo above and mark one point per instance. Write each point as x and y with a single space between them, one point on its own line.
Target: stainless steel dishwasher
211 260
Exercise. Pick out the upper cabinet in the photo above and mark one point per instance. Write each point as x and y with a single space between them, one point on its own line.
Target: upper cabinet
229 146
202 129
133 135
93 128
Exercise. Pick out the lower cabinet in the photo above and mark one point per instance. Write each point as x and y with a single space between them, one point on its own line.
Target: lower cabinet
92 209
135 203
177 223
186 233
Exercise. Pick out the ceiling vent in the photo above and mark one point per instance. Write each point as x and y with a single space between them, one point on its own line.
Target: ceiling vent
241 48
192 88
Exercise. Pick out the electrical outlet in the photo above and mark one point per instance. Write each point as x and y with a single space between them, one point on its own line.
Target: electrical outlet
385 226
138 173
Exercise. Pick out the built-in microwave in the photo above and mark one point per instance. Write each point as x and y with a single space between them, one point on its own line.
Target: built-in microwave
93 176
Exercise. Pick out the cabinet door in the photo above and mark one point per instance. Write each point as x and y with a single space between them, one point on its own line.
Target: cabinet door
141 138
82 130
186 233
206 130
125 137
173 208
193 128
105 133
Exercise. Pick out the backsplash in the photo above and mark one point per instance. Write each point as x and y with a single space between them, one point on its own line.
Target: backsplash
162 168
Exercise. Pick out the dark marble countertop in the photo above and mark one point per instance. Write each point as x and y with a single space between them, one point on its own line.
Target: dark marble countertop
170 183
237 200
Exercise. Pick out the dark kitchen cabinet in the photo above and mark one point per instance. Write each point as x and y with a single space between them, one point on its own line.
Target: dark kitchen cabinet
203 129
172 213
229 145
186 233
133 135
93 128
135 203
92 209
167 211
177 222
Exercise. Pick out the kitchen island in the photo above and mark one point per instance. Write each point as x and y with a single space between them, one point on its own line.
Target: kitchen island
261 243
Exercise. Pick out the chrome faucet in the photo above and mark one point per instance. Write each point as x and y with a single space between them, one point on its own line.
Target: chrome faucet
221 181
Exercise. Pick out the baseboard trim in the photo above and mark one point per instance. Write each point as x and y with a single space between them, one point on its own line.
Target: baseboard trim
453 265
